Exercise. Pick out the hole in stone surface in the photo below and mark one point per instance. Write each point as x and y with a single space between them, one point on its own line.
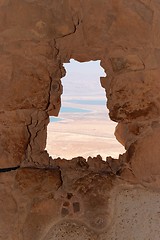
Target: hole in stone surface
83 127
69 195
66 204
76 207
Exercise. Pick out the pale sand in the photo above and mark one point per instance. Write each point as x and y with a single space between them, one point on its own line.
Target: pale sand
83 137
83 134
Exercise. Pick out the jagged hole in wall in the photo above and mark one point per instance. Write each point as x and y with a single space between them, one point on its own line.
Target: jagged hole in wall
83 127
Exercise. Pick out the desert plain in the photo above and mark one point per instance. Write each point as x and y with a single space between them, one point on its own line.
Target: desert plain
77 133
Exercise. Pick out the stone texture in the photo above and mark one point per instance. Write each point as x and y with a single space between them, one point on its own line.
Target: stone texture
108 207
47 199
136 216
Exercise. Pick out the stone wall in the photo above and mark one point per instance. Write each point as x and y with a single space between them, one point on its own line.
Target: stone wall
48 199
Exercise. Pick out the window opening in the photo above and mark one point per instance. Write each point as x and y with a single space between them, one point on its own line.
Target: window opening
83 127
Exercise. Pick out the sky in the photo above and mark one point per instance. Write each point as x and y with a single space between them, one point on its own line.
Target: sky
83 79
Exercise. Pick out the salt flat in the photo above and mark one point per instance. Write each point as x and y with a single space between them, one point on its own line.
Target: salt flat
82 137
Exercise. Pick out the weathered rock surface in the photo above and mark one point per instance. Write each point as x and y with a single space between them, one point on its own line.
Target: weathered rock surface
49 204
49 199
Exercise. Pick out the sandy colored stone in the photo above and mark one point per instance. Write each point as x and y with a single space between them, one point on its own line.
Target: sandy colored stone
136 216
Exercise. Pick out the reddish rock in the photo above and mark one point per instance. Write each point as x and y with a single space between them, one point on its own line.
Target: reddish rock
36 38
